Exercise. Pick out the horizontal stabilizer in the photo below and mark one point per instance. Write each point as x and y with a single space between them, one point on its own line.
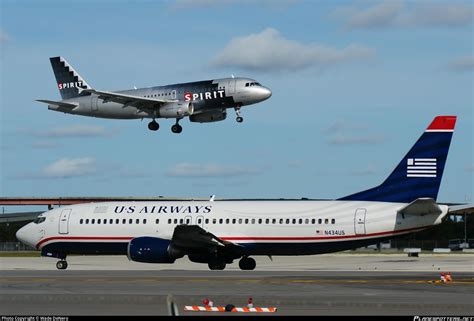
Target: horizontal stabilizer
421 206
58 103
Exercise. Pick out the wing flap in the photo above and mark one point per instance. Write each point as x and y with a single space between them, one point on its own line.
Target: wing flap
421 206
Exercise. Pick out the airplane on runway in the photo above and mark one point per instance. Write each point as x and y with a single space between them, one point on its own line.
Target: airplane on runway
202 101
218 232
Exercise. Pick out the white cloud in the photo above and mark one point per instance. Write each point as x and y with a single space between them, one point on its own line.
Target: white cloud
397 14
76 131
4 36
460 64
269 51
70 167
210 170
191 4
349 139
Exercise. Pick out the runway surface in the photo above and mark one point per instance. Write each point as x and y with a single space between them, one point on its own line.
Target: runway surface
303 290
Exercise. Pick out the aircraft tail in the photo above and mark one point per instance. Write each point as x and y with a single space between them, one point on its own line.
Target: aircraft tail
68 79
419 173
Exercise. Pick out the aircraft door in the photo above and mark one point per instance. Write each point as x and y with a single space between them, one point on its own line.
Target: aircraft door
231 87
200 221
64 221
359 221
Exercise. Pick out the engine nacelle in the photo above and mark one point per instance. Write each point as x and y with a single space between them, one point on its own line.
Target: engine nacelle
176 109
149 250
208 117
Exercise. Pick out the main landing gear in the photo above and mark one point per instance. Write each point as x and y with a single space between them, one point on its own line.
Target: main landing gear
176 128
239 118
153 125
216 265
61 265
247 263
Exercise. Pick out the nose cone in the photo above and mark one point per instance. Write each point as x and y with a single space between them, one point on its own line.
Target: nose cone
24 235
263 93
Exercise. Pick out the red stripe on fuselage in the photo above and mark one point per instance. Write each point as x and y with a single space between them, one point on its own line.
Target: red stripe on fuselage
237 238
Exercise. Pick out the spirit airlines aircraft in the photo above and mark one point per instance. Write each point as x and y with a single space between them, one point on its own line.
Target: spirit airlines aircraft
218 232
202 101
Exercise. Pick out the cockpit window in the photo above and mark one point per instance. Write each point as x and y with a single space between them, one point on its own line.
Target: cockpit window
39 220
250 84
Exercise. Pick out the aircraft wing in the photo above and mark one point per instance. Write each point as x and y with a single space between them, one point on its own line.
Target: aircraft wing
58 103
421 206
129 100
192 238
19 217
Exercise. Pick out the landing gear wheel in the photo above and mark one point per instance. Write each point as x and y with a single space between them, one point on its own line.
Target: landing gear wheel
216 265
247 263
61 265
153 125
239 119
176 129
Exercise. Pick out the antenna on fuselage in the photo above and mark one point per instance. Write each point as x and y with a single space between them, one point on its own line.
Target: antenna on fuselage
232 75
211 199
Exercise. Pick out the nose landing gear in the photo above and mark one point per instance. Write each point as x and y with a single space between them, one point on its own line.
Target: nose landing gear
239 118
61 265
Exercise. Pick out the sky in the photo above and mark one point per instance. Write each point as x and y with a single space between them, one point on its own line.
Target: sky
354 83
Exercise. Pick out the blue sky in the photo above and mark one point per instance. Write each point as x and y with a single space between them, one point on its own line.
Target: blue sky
354 85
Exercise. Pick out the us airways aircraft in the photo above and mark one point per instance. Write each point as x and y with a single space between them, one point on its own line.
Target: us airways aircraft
202 101
219 232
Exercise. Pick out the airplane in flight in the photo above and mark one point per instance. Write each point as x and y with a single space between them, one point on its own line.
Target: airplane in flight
202 101
218 232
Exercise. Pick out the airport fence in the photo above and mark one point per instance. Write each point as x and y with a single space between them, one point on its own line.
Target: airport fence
14 247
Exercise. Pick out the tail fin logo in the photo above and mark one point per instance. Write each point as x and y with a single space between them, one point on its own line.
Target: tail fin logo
421 167
76 84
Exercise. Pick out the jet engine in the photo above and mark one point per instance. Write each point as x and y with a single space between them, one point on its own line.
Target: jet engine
208 117
176 109
149 250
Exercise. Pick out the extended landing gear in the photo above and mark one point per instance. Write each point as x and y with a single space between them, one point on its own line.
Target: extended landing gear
153 125
216 265
247 263
176 128
239 118
61 265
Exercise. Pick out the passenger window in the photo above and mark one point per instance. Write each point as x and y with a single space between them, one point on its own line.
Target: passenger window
124 221
246 221
105 221
320 221
221 221
169 221
80 222
207 221
214 220
234 220
157 221
240 221
175 221
93 221
98 221
111 221
144 221
333 221
130 221
281 221
313 221
287 221
227 221
294 221
87 221
187 221
181 221
326 221
259 221
199 221
274 221
306 221
253 221
300 221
